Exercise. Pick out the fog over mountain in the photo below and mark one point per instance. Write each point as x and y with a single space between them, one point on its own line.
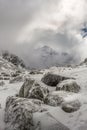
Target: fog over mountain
26 25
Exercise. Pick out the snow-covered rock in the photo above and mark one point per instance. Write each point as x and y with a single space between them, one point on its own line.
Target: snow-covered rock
13 59
68 85
55 98
53 79
38 92
24 90
70 107
33 89
19 113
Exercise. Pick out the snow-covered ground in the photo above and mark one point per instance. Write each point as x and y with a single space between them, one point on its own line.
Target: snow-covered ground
76 120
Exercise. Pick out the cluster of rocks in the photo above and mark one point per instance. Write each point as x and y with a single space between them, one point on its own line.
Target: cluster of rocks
32 97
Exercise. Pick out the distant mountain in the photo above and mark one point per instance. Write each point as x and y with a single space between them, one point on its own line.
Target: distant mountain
47 57
13 59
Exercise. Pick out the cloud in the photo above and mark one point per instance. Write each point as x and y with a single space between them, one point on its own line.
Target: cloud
25 25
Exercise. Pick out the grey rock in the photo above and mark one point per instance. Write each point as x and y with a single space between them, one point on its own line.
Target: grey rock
33 89
38 92
68 85
52 79
24 91
19 113
70 107
13 59
55 98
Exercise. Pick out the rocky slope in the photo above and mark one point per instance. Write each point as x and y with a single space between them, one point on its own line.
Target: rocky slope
13 59
36 105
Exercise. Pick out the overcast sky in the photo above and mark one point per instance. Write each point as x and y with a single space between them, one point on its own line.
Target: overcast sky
27 24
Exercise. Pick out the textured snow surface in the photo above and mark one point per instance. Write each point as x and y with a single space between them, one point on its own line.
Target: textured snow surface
74 121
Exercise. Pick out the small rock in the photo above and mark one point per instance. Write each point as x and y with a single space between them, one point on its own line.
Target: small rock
68 85
55 98
70 107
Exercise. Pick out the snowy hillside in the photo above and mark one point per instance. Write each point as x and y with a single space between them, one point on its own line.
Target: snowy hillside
12 58
52 110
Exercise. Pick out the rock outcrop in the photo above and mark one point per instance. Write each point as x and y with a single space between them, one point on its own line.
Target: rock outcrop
13 59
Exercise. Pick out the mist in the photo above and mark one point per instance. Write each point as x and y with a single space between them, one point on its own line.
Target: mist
27 25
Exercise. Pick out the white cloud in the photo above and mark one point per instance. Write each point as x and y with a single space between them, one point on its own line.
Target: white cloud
30 23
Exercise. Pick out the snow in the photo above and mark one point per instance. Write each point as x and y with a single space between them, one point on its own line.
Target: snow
5 91
76 120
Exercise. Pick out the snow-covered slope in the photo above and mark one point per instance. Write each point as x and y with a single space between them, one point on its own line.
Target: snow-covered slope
76 120
12 58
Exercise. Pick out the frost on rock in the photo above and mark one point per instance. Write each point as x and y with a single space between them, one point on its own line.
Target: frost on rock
32 89
24 91
70 107
53 79
38 92
68 85
55 98
19 113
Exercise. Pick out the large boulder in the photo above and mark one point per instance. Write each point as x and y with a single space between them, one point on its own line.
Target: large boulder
19 113
52 79
71 106
33 89
68 85
55 98
24 91
38 92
